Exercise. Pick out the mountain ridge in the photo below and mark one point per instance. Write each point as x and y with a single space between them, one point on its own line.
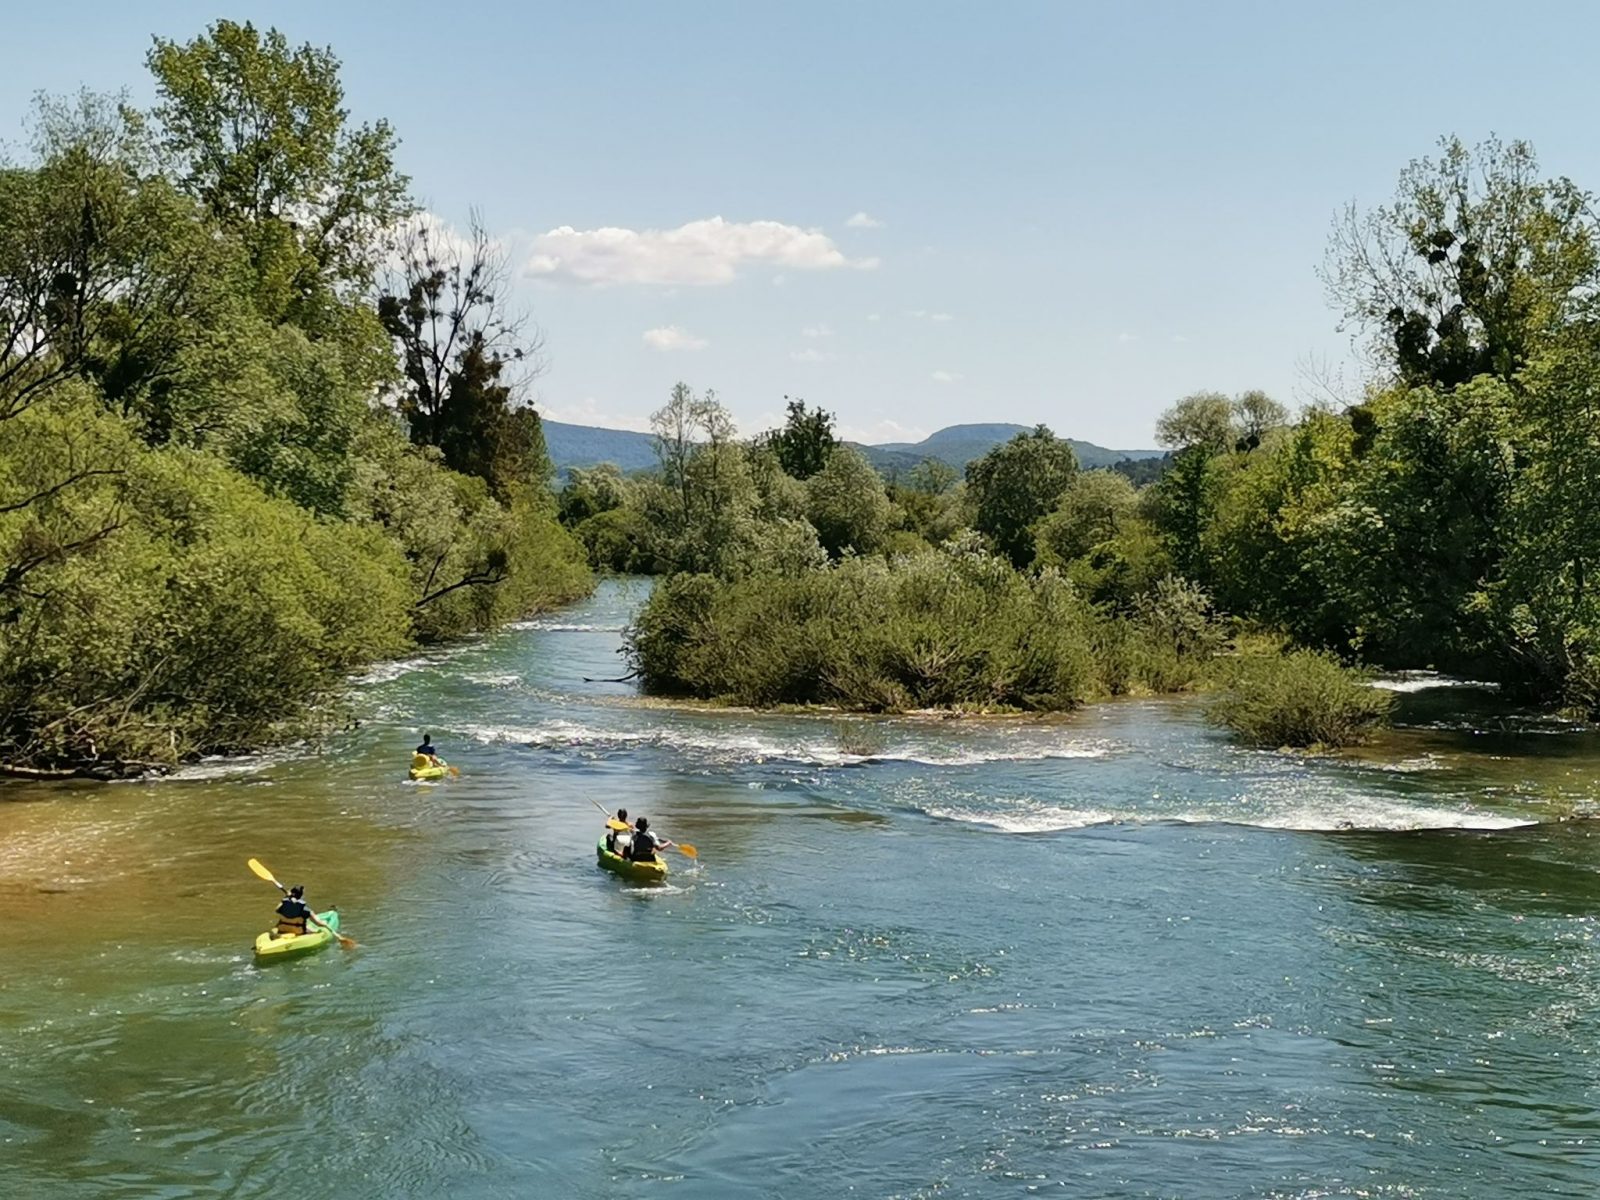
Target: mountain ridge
571 445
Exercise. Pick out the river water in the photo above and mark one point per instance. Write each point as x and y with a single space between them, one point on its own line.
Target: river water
1101 956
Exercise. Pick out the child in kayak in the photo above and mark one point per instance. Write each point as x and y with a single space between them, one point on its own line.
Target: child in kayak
644 845
611 834
294 914
426 750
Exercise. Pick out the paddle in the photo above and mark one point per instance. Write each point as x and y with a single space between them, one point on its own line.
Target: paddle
255 865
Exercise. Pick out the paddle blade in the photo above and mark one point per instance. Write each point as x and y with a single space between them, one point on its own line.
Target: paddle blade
262 872
348 943
687 849
455 772
619 826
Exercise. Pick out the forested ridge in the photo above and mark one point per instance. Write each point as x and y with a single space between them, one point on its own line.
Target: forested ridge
262 421
1442 517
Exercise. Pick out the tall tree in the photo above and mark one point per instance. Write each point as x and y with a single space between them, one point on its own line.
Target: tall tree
464 354
260 135
1015 484
1473 263
805 441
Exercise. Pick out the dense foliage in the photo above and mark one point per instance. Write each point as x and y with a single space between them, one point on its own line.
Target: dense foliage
1303 699
208 512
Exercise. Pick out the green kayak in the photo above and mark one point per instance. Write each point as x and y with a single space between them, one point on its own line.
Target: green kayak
272 948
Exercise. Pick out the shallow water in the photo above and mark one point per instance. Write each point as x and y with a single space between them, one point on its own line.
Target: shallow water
1107 955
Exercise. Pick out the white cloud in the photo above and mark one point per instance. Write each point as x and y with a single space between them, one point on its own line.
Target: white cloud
922 314
1179 338
811 355
874 316
862 221
704 252
941 317
1125 338
816 331
670 337
946 377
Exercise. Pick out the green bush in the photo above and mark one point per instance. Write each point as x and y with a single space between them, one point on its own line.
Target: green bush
1303 699
957 628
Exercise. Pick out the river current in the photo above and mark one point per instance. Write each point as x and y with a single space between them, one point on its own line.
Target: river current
1105 955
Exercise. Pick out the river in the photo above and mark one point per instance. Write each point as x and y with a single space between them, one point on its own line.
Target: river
1108 955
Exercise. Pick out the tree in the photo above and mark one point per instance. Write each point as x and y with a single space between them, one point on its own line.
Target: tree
1473 264
463 353
1255 415
804 442
260 137
1088 513
1015 484
1203 420
845 502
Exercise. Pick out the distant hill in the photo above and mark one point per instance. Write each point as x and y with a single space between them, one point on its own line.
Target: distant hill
587 445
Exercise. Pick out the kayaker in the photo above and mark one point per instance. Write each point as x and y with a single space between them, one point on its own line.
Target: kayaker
294 914
611 834
427 750
644 845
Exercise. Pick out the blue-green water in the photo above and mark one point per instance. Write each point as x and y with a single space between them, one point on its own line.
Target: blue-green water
1105 956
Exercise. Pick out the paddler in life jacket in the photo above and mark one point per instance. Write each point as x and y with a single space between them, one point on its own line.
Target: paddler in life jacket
426 755
644 845
294 914
611 834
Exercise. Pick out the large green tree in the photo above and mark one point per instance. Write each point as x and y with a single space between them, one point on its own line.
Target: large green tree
260 135
1475 262
1015 484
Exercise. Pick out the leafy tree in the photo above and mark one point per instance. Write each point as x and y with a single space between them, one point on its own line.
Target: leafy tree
846 504
1202 420
1015 484
1255 415
1473 264
1089 512
460 349
261 138
805 441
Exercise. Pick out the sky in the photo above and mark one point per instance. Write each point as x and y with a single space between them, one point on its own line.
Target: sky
911 214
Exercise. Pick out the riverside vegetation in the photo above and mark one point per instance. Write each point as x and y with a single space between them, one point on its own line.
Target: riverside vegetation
262 420
1444 517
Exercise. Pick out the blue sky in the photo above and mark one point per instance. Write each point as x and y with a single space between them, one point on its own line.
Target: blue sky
1071 213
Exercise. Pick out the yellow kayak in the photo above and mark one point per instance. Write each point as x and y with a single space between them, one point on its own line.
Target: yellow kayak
272 948
423 767
639 872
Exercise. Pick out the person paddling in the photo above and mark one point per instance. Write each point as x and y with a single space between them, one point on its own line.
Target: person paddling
644 845
427 750
611 833
294 914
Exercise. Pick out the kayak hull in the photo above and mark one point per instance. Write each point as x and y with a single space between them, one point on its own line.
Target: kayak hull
639 872
429 772
271 948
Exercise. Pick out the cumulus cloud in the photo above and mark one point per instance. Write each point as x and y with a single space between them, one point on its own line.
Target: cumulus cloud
702 253
810 355
922 314
816 331
671 337
945 377
862 221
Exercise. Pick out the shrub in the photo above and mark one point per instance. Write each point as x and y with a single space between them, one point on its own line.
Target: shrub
1303 699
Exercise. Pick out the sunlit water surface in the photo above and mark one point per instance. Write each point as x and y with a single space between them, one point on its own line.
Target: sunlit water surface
1107 955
